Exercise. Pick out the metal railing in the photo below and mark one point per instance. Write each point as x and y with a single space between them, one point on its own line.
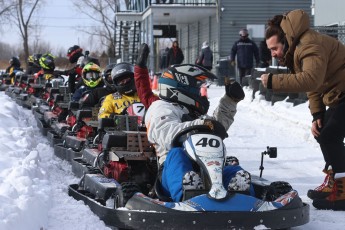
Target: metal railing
336 31
141 5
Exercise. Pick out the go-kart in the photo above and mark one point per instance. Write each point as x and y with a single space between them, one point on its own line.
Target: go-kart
124 205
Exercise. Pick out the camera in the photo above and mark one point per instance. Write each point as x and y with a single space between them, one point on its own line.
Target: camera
271 152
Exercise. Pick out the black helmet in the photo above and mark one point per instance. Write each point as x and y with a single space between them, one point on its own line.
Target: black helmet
107 70
47 62
14 61
74 53
119 73
107 73
182 83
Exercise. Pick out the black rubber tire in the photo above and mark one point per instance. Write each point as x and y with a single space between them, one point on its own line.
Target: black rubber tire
123 194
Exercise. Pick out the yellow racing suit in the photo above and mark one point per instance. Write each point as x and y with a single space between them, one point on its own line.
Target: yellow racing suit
116 103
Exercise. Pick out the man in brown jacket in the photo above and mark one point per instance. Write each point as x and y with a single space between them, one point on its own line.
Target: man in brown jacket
317 65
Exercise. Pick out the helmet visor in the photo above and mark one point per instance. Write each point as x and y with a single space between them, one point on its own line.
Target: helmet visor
122 80
91 76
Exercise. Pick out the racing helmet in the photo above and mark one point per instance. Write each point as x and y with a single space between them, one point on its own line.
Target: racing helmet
31 60
47 62
123 78
91 75
107 72
73 53
36 58
181 84
14 61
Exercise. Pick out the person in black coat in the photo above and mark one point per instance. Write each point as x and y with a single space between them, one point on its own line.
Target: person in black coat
163 64
205 58
245 49
175 55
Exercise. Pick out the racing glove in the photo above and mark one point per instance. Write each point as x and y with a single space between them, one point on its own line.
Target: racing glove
216 127
234 90
143 55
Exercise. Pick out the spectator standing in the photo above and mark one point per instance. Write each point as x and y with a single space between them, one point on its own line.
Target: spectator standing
245 49
163 64
316 62
205 58
175 55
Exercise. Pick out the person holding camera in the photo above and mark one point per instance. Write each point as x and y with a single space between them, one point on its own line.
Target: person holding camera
316 62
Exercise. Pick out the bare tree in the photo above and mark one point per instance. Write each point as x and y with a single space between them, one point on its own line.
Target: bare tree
103 13
6 6
21 16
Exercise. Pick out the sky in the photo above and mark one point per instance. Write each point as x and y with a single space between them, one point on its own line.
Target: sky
33 181
59 21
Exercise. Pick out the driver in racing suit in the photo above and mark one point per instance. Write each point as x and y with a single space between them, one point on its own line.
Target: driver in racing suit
125 92
180 105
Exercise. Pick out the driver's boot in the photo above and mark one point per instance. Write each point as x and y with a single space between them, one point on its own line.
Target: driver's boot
240 182
192 180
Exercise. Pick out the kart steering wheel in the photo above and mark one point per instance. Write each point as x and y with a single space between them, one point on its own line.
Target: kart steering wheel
181 136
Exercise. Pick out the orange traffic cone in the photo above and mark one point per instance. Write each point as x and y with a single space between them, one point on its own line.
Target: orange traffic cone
203 90
154 85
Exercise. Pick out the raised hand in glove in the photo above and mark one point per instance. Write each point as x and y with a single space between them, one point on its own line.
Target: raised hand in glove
216 127
234 90
143 55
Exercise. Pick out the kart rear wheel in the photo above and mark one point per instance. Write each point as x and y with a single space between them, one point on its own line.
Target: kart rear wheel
124 193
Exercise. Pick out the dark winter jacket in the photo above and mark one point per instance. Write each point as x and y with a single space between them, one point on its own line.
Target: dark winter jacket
245 50
163 64
32 69
265 54
95 96
175 57
77 95
318 62
205 58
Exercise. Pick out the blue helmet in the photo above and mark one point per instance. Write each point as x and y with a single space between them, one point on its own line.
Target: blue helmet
182 83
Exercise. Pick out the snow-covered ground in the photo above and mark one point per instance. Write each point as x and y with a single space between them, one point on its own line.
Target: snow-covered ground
33 182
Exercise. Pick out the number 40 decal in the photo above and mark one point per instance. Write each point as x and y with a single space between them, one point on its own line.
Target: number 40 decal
211 142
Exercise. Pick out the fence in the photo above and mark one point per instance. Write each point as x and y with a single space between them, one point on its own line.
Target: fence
336 31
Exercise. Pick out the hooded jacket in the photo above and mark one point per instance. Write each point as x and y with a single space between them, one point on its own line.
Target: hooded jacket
318 63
